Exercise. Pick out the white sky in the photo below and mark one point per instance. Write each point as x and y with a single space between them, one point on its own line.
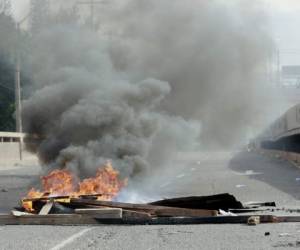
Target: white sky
285 20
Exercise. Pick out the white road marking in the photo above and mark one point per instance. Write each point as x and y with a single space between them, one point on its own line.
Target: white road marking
165 184
71 239
249 173
180 176
240 186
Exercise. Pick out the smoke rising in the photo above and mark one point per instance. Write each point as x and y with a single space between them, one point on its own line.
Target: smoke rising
212 53
136 91
87 112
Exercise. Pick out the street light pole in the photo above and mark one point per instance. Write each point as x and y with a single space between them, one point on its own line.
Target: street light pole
19 125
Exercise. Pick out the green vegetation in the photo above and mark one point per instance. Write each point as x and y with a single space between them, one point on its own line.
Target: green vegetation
7 45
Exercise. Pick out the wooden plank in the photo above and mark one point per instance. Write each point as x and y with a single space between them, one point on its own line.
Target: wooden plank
191 220
46 208
79 219
129 214
176 212
105 213
288 218
259 204
84 202
51 219
151 209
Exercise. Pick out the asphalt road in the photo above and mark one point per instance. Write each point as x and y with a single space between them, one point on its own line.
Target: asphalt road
249 176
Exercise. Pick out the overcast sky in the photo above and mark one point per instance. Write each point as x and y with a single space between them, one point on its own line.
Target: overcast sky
284 16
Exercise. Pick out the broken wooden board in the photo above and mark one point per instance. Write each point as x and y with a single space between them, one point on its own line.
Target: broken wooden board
105 213
46 208
151 209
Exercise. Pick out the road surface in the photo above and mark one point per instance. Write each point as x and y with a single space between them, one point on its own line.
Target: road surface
249 176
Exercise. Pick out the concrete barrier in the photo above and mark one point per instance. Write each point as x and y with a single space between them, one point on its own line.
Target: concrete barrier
291 157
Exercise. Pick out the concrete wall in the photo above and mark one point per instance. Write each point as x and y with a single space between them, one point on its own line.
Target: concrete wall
12 150
286 125
293 158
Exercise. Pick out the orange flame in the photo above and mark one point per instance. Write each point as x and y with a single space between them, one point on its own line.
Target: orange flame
64 183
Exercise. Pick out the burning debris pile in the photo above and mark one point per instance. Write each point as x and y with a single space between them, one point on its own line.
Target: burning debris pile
66 200
63 183
92 209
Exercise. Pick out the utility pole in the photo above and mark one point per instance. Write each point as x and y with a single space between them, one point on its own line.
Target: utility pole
92 4
19 127
278 68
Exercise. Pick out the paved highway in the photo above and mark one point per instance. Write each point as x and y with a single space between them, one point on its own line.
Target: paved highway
249 176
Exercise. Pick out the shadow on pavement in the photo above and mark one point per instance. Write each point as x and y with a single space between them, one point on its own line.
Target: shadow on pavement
276 172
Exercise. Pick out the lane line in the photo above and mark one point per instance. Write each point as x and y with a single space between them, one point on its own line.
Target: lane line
71 239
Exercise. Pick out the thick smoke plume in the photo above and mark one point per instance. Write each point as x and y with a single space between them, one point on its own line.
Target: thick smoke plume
213 53
86 112
132 91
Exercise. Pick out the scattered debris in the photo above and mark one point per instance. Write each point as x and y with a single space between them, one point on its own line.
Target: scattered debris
224 213
90 209
165 184
180 176
214 202
4 190
256 204
18 213
285 235
253 220
249 173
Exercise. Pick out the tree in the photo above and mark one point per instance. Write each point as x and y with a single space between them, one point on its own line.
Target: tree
7 104
7 45
5 7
